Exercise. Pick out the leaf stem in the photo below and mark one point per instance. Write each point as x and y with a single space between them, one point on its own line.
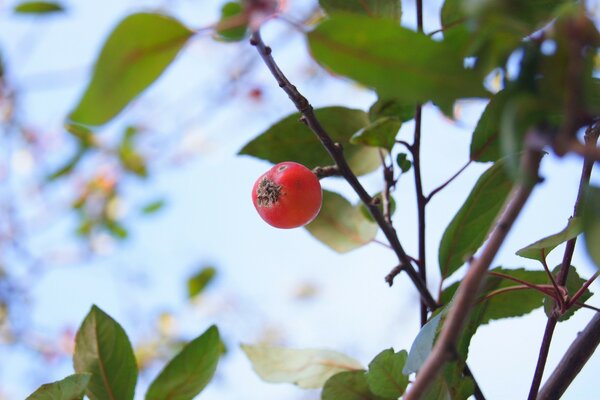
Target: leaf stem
559 298
582 290
335 150
443 185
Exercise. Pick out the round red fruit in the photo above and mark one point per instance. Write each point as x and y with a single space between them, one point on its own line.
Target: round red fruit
288 195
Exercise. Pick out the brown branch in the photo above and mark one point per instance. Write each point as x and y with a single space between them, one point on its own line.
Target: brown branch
337 154
327 171
573 361
591 138
452 178
468 290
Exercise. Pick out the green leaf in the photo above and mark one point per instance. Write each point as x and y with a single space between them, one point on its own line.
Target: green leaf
71 388
391 9
485 142
366 50
422 345
573 284
381 133
289 139
135 54
403 162
197 283
154 206
507 304
340 225
539 250
470 226
38 7
188 373
69 166
591 223
385 377
393 108
129 157
351 385
103 350
232 27
307 368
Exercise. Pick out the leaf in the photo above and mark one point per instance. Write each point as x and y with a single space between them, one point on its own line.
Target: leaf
38 7
540 249
381 133
135 54
422 345
307 368
154 206
232 27
351 385
393 108
507 304
197 283
485 142
403 162
573 284
340 225
289 139
365 49
591 223
103 350
379 197
69 166
71 388
470 226
391 9
385 377
188 373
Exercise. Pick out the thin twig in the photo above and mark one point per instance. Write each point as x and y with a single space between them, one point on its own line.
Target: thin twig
443 185
573 361
551 277
327 171
469 288
336 152
582 290
591 138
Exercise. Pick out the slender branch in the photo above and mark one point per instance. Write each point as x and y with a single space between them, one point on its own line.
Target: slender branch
582 290
591 138
547 291
443 185
469 289
324 172
551 276
388 178
336 152
573 361
587 306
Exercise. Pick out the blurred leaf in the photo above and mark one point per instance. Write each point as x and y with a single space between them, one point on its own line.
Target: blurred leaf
453 20
307 368
573 284
470 226
385 377
289 139
83 134
381 133
232 27
116 229
103 350
135 54
153 206
340 225
422 345
391 9
71 388
69 166
129 157
365 211
403 162
38 7
350 385
197 283
188 373
365 50
540 249
507 304
591 223
485 143
389 107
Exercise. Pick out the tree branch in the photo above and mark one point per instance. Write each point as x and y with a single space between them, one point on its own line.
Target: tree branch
573 361
469 288
591 138
336 152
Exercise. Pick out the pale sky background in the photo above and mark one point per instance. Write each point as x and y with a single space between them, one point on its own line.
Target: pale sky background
209 218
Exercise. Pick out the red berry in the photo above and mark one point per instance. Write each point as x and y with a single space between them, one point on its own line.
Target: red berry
287 196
